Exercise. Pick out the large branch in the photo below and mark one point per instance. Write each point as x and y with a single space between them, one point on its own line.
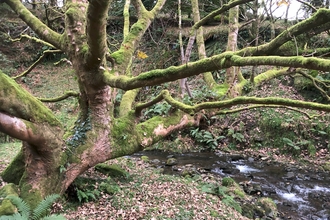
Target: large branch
21 129
225 60
42 30
17 102
97 13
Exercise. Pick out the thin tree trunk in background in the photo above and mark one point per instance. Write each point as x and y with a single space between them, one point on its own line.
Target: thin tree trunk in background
184 56
208 78
255 35
232 73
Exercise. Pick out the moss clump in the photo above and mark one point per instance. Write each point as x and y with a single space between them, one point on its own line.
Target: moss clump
111 170
326 166
250 210
29 195
269 206
6 207
240 193
145 159
227 181
118 56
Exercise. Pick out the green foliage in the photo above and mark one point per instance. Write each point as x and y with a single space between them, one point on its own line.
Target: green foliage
80 130
158 109
87 195
205 138
236 136
228 181
40 212
221 191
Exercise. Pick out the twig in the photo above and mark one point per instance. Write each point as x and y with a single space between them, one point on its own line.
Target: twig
36 63
60 98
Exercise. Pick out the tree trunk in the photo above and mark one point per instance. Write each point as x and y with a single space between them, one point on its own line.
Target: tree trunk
233 74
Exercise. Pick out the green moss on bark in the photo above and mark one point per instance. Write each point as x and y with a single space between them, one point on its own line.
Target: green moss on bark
123 136
14 171
16 101
29 195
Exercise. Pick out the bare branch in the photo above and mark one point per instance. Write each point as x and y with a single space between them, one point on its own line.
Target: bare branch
224 8
37 40
66 95
36 63
315 81
307 4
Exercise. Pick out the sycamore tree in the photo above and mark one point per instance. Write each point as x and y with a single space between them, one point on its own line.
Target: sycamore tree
52 158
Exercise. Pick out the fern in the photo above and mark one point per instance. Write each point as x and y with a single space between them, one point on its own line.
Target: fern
16 216
39 213
43 206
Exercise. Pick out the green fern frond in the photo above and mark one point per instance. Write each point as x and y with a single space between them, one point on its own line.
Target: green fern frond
43 206
16 216
54 217
22 206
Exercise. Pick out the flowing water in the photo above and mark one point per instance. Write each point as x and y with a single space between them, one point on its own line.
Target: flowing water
298 193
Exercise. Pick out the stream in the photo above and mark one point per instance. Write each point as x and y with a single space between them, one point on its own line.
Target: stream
298 193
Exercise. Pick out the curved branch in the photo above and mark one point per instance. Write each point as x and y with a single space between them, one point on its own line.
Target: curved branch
36 63
66 95
21 129
261 101
269 102
16 101
42 30
315 81
141 106
223 112
224 8
127 102
321 17
37 40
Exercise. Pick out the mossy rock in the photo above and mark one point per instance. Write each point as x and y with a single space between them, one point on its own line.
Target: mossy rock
145 159
171 161
6 207
269 206
111 170
227 181
326 166
251 211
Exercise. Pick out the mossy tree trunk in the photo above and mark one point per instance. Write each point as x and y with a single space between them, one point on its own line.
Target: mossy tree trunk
233 74
51 159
